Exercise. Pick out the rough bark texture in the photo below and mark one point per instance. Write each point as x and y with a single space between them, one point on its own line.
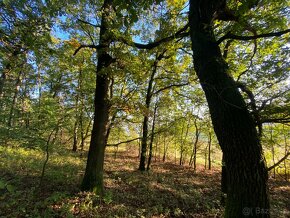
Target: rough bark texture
233 124
93 178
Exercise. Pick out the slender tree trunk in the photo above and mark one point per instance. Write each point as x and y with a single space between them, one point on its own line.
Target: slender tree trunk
164 149
285 150
205 157
272 150
14 101
235 128
209 149
75 129
145 119
2 82
193 155
93 178
182 140
75 136
152 137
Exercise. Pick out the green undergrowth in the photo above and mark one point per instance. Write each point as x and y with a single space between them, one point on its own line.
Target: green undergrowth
167 190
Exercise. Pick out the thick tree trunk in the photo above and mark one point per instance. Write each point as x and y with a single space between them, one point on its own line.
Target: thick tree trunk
224 187
93 178
235 128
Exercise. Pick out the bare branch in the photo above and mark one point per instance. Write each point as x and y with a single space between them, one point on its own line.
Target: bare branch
229 35
284 120
86 22
170 86
86 46
280 161
179 34
131 140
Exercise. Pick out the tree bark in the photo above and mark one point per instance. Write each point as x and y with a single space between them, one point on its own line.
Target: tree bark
209 149
93 178
194 151
14 101
152 137
235 128
146 118
2 82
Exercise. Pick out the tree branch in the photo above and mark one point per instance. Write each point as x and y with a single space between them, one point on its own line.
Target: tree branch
179 34
86 46
280 161
276 120
229 35
86 22
131 140
170 86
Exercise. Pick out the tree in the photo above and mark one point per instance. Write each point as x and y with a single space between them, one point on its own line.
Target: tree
93 178
232 122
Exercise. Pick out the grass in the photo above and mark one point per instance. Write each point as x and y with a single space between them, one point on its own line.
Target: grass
167 190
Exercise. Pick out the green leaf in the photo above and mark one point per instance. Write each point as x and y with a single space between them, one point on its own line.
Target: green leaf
10 188
2 184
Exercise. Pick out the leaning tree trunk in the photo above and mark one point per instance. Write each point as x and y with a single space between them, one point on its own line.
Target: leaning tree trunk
93 178
235 128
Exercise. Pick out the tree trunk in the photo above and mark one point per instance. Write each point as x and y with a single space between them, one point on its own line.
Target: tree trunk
272 150
224 187
14 101
152 137
164 149
209 150
75 137
93 178
2 82
235 128
145 119
285 151
193 155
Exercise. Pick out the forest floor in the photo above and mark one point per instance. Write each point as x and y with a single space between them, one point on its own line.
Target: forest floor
167 190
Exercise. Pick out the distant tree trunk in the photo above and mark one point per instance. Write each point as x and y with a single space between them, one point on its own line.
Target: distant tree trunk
2 82
93 178
146 117
3 78
286 150
75 129
233 124
209 149
75 135
165 148
205 157
193 154
152 137
14 101
175 151
181 145
156 147
272 150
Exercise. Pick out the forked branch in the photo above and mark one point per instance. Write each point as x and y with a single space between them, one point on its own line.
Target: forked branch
229 35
